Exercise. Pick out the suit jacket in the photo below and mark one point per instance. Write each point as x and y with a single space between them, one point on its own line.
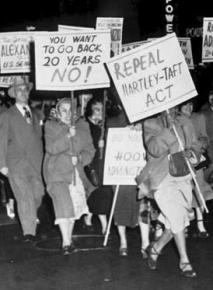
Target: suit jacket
21 148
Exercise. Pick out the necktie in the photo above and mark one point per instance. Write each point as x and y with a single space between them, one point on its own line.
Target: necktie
27 115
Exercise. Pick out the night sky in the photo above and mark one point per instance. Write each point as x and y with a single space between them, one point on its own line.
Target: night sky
150 13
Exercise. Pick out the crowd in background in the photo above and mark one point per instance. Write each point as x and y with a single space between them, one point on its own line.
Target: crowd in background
57 146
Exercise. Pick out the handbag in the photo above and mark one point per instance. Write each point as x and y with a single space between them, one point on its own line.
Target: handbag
91 174
177 164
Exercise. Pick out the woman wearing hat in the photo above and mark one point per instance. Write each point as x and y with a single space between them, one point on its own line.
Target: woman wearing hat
68 150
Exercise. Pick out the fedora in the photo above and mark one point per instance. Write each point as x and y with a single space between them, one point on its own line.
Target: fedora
19 81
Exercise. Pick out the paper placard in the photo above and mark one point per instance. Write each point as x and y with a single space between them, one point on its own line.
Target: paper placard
7 80
132 45
116 27
125 156
72 61
152 78
66 28
15 52
207 47
185 44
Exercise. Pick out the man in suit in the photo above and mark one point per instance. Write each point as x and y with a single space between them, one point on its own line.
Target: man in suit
21 154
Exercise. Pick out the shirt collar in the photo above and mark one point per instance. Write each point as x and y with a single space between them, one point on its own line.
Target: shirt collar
20 107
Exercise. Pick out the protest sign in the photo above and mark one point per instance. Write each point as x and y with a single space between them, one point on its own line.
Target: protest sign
185 44
6 81
15 52
207 47
129 46
72 61
124 157
67 28
116 27
152 78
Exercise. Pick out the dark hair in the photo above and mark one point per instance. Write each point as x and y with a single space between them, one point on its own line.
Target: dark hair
211 92
192 101
91 102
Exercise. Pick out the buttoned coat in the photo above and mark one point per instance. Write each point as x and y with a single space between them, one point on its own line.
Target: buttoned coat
60 149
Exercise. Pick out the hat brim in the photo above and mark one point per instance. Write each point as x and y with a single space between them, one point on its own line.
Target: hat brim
11 91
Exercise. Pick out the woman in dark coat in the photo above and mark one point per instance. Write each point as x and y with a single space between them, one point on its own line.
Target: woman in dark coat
100 200
127 206
68 150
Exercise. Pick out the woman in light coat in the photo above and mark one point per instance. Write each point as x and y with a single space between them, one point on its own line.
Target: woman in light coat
172 194
68 150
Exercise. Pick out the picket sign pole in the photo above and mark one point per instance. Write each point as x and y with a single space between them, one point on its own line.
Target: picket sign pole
111 215
190 168
72 124
103 124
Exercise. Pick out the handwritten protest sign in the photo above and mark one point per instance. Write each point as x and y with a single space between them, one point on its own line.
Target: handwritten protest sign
152 78
66 28
15 52
125 156
132 45
207 47
72 61
7 80
116 27
185 44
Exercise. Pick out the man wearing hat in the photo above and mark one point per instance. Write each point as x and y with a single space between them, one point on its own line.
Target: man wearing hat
21 154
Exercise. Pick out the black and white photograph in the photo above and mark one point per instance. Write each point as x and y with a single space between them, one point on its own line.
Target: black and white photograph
106 145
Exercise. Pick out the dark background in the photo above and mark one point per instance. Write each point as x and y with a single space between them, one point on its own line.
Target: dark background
142 19
150 14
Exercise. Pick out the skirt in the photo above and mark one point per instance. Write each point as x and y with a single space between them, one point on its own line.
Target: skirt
69 200
174 198
127 206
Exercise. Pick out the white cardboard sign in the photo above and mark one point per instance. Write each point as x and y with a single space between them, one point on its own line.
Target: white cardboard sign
185 44
67 28
15 52
7 80
72 61
207 47
132 45
125 156
116 27
152 78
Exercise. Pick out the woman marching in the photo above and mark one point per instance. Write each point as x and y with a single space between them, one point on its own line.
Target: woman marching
100 200
68 150
170 182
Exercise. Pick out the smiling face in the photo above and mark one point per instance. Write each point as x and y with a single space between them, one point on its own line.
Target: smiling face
64 113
